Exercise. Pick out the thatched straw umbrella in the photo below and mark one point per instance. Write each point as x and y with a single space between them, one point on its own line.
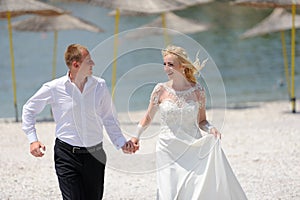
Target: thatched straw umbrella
169 20
174 22
144 6
55 24
268 3
23 7
284 4
194 2
278 21
139 12
13 8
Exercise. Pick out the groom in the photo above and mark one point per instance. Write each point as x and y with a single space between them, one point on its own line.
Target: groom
81 106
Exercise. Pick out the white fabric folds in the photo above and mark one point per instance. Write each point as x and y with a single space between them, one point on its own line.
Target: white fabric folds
201 171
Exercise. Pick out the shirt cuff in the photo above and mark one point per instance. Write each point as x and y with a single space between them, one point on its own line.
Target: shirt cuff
120 142
32 137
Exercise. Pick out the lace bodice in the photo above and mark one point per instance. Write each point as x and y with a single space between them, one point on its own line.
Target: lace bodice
179 109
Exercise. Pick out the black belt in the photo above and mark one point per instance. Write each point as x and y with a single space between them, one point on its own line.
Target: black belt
75 149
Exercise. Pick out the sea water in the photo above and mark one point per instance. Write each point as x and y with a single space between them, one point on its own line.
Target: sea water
238 71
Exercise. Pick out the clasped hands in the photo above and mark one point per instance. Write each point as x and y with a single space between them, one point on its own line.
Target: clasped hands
131 146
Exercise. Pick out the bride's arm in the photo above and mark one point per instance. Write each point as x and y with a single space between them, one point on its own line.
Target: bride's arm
202 121
147 119
149 115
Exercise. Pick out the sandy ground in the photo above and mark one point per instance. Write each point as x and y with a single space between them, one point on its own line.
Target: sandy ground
260 140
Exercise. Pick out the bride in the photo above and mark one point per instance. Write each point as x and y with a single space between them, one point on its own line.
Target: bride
190 165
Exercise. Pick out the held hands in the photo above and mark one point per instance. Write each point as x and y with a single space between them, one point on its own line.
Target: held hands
130 147
35 149
133 144
135 141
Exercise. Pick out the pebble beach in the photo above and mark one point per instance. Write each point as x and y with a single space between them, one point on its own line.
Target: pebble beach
261 142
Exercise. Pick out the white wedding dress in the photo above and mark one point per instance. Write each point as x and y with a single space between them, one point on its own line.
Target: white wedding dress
190 166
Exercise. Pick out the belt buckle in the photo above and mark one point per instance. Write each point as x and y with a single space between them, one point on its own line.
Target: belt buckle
74 149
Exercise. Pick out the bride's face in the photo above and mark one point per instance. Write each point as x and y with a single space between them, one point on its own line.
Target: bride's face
172 66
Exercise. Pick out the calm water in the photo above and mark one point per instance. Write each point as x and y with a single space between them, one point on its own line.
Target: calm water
251 70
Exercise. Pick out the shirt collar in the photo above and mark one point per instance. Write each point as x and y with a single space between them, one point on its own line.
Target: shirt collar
68 80
67 77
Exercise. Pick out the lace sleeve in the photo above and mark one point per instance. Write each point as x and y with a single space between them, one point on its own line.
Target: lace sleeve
155 95
200 91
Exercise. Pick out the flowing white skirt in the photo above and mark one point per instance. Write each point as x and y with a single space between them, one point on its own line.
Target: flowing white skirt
192 170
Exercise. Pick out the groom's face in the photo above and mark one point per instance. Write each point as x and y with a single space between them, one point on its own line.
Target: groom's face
86 64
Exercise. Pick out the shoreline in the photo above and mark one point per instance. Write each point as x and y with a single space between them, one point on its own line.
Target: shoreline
230 106
260 142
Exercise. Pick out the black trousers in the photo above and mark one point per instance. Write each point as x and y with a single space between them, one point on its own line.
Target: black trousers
80 173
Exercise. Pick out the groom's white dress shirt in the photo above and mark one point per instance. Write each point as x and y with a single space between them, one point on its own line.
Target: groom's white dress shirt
80 117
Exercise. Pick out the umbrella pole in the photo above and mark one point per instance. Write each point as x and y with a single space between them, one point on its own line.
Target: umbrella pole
114 69
164 25
285 60
54 56
12 64
293 98
54 62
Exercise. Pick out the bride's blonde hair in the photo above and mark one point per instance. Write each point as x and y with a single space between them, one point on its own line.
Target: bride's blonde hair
190 69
